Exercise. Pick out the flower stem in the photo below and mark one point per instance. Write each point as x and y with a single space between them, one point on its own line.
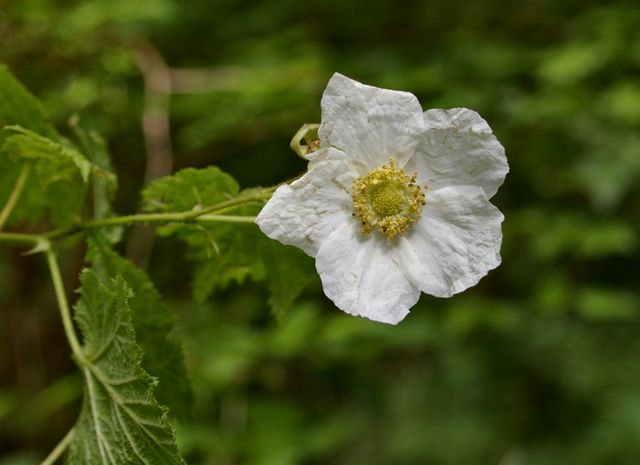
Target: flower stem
226 219
63 305
263 194
59 449
177 217
15 194
208 214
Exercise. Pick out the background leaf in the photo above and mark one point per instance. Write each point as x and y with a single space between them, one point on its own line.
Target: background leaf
19 107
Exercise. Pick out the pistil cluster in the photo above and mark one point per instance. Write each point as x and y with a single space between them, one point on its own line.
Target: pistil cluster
387 200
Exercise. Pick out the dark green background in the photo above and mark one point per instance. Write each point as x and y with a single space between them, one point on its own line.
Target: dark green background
538 364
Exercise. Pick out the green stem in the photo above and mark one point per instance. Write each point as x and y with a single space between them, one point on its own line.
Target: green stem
177 217
15 194
20 238
264 194
225 218
63 305
116 221
59 449
204 215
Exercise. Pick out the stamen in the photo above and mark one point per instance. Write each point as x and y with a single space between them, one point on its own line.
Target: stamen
387 200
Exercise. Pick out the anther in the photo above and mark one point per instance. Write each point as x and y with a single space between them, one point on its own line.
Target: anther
387 200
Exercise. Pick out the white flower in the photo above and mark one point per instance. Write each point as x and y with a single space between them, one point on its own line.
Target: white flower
395 201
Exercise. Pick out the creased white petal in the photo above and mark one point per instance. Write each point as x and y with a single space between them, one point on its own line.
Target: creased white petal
456 242
459 148
363 276
370 124
305 212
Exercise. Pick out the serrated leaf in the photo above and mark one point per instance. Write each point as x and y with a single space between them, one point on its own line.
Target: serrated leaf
19 107
188 189
58 177
120 421
30 146
154 324
226 253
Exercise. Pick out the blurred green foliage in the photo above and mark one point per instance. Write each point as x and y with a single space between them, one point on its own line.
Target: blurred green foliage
538 364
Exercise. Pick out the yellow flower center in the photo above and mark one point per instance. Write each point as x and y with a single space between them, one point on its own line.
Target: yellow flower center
387 200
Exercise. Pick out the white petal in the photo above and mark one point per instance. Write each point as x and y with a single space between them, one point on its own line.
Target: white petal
456 242
459 148
305 212
370 124
362 275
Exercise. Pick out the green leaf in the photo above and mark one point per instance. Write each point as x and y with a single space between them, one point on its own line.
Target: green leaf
120 421
19 107
246 253
225 253
188 189
104 186
57 183
30 146
153 322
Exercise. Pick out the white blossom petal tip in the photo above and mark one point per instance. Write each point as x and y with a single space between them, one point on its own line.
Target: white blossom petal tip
395 202
459 148
370 123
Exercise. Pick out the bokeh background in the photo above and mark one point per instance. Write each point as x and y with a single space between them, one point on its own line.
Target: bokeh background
538 364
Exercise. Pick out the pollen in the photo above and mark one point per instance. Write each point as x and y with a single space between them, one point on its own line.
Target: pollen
387 200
